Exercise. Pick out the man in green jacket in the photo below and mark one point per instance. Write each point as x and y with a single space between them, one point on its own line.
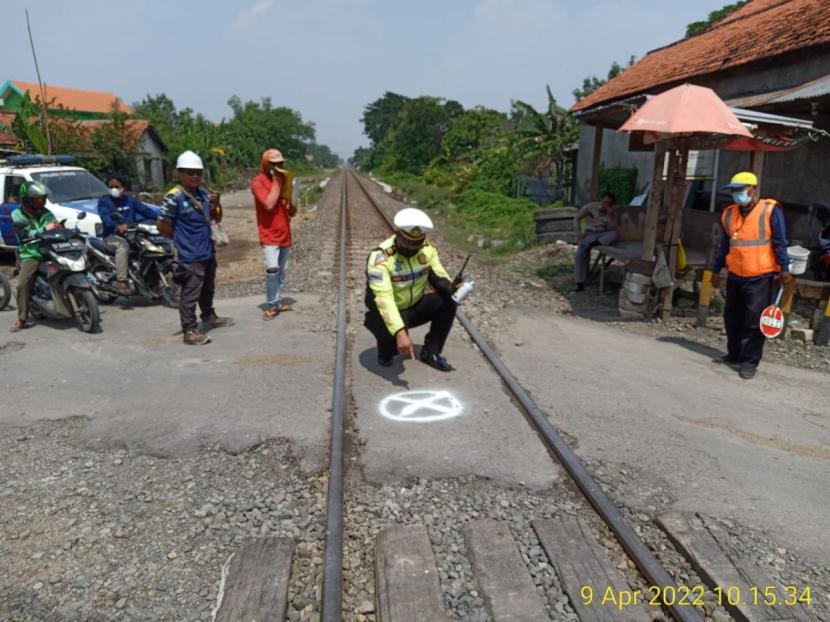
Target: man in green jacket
29 220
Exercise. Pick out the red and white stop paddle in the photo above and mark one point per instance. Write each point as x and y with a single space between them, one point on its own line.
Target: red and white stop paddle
772 318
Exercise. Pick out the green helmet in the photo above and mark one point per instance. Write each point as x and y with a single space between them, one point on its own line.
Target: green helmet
33 190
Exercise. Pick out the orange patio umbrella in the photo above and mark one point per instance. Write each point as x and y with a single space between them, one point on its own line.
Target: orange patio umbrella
686 110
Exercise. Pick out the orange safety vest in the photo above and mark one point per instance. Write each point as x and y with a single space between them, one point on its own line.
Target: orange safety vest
750 239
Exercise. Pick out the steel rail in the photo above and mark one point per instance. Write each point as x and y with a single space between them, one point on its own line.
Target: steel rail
645 560
331 605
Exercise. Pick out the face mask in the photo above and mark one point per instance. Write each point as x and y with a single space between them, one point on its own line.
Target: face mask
742 198
408 252
115 193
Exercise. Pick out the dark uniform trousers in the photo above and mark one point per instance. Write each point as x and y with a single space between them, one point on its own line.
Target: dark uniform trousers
433 308
745 301
198 285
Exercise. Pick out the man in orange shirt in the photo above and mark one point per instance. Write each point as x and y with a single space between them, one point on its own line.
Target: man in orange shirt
273 216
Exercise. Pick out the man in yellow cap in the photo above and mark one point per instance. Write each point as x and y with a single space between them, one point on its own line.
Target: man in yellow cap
397 273
754 249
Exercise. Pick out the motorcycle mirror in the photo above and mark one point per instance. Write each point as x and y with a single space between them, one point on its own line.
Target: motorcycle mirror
82 215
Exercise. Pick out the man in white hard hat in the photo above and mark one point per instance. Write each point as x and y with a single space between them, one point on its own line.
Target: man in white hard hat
186 214
397 273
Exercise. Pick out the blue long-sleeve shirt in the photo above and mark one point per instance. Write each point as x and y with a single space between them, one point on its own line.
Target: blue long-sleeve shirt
779 245
128 206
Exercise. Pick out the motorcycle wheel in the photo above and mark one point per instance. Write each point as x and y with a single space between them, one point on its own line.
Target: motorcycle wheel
102 294
89 316
170 294
5 290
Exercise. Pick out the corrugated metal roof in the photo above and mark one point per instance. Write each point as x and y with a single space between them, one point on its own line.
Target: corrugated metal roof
819 87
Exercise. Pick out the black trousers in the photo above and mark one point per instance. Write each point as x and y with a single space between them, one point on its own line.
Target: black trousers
432 308
745 301
198 282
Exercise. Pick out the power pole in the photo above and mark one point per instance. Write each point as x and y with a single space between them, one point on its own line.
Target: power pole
43 113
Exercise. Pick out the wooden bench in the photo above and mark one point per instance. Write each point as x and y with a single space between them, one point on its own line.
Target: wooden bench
698 232
629 251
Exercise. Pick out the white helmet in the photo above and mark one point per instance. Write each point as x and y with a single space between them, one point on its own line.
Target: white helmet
189 160
413 221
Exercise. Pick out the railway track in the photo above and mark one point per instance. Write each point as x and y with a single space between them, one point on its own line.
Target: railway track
405 577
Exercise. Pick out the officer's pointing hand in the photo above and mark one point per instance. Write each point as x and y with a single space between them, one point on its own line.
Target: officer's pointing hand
405 345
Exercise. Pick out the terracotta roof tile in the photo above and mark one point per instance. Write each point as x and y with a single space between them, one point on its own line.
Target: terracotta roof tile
77 99
787 25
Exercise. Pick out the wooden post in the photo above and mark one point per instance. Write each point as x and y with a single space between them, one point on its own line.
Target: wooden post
822 337
787 302
596 164
677 198
706 289
756 165
655 200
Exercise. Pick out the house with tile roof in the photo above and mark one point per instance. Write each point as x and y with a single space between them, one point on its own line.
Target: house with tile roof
770 56
76 103
91 109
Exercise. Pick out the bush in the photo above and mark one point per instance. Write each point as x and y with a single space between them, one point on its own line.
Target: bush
497 216
622 182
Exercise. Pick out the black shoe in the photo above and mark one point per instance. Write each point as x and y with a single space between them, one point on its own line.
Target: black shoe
724 360
747 372
385 361
579 287
434 360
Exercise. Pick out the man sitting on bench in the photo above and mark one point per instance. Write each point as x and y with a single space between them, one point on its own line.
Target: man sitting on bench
601 230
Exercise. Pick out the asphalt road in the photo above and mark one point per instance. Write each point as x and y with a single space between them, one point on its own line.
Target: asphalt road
758 450
142 388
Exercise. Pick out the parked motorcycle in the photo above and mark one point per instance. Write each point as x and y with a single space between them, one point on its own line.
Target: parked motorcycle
61 289
150 269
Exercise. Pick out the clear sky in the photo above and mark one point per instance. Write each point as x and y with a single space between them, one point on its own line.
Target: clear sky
329 58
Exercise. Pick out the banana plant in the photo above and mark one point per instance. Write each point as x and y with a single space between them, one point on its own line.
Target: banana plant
544 138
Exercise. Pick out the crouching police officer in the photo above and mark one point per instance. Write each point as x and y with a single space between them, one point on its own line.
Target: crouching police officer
397 273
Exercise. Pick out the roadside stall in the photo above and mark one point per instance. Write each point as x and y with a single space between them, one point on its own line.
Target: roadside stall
685 119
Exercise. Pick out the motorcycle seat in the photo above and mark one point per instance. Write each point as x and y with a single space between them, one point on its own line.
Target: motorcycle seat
99 244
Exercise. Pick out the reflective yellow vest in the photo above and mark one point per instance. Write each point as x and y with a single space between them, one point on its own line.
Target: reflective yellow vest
395 282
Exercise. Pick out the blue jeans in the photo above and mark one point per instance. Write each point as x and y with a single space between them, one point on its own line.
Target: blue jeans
276 259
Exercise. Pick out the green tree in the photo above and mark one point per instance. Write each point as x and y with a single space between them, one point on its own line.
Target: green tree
695 28
381 116
418 134
255 126
546 137
471 131
113 146
361 158
323 156
592 83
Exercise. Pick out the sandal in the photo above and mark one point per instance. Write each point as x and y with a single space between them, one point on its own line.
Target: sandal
16 328
270 313
284 307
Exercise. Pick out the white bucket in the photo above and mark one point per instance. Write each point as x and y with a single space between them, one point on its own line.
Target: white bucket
798 259
636 287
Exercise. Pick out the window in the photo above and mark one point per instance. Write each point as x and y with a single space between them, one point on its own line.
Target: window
71 185
11 191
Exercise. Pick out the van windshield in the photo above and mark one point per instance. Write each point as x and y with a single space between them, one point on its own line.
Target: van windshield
72 185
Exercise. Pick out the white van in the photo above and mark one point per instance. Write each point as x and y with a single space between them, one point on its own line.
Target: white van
72 190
